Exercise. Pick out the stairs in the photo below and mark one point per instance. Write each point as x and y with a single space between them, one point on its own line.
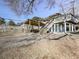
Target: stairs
46 27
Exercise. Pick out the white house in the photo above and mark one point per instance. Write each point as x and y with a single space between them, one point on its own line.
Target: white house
62 23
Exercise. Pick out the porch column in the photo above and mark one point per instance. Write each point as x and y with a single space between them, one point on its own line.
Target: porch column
51 29
61 27
69 27
64 26
54 27
72 27
57 27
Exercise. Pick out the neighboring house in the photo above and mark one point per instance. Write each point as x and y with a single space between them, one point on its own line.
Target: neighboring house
30 25
3 28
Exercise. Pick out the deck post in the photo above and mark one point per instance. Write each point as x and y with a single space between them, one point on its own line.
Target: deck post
38 25
29 25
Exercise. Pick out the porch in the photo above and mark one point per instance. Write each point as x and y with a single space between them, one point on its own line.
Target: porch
63 27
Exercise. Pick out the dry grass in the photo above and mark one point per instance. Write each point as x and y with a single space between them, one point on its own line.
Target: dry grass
64 48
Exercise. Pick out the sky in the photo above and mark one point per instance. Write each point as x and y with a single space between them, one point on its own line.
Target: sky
7 13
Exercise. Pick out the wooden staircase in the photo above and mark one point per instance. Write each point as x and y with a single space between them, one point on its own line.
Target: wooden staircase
46 27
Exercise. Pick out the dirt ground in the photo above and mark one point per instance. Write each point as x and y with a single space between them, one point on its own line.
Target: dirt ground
40 47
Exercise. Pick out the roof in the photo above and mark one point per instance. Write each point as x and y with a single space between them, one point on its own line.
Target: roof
69 18
34 22
56 15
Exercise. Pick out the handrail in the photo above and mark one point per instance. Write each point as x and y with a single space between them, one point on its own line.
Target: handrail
48 23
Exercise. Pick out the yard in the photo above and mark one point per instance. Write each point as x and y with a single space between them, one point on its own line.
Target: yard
35 46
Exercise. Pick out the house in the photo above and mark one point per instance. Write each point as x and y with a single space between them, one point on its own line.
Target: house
64 23
32 25
57 23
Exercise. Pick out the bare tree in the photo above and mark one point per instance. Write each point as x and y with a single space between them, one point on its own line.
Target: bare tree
26 6
70 6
